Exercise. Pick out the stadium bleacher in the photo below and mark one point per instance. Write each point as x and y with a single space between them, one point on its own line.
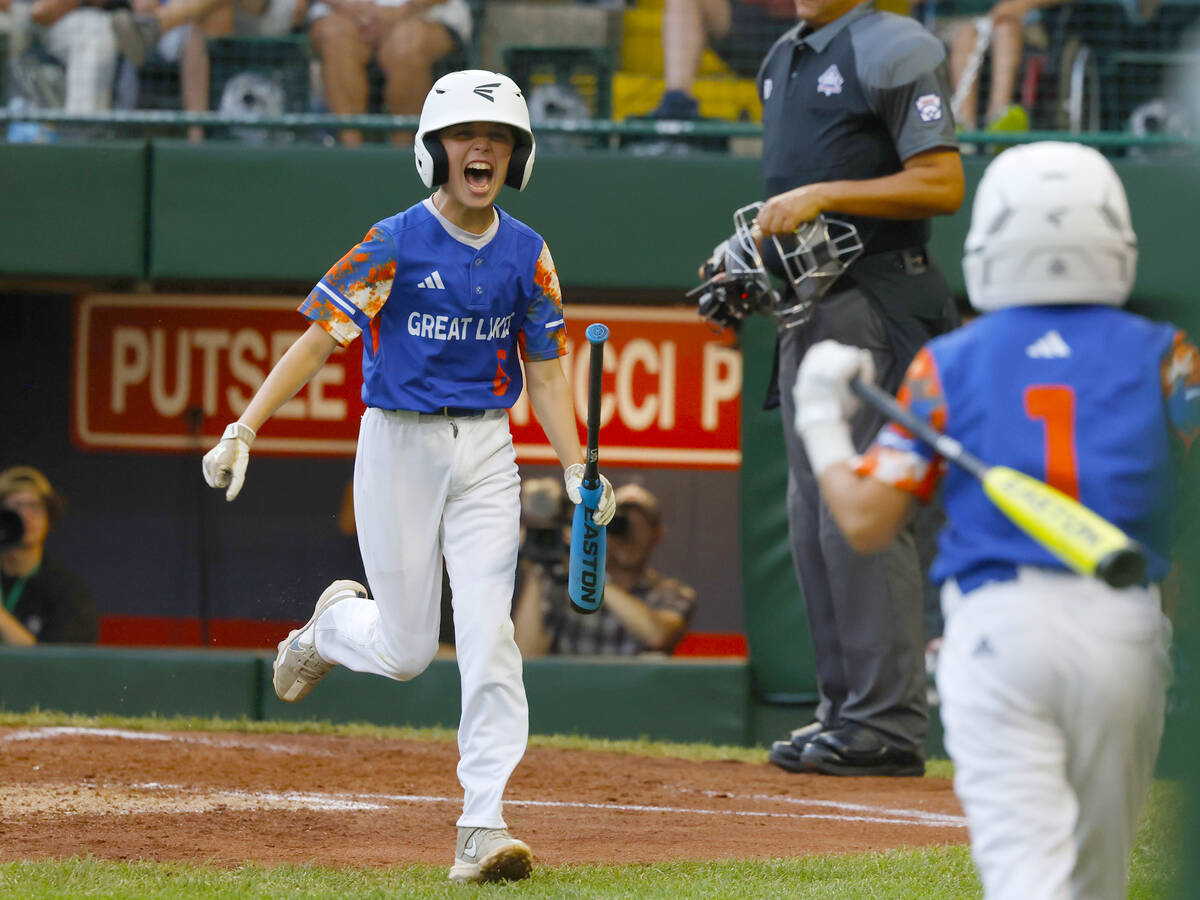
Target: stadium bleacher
1100 69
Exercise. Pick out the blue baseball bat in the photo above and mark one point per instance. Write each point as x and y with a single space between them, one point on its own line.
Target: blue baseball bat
589 541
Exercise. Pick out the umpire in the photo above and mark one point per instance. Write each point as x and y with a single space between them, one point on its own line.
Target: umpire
857 123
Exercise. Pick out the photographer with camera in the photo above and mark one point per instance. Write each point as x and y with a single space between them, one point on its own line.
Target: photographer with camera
41 600
643 611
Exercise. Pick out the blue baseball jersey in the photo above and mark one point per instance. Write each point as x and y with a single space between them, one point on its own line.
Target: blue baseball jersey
1086 398
443 315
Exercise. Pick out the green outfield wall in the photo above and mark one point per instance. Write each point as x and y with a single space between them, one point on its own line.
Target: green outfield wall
676 700
171 210
289 214
74 211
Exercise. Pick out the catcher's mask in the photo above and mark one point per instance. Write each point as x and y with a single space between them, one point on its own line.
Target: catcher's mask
737 283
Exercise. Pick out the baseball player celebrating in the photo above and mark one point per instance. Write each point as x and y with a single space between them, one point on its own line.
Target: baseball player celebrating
1053 685
444 295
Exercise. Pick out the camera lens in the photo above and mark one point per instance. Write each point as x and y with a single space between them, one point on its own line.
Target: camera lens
12 528
619 525
543 545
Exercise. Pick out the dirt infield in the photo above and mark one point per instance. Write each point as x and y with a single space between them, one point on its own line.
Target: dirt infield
226 799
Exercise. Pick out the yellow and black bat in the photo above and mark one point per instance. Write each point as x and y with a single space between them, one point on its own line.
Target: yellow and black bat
1088 543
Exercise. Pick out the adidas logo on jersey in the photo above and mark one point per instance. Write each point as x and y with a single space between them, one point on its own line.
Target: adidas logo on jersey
1049 346
433 280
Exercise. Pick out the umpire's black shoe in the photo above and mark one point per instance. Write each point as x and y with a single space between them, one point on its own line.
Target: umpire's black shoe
854 750
786 753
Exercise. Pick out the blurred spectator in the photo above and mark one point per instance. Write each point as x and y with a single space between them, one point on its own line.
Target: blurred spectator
346 522
739 32
1002 38
180 29
643 610
406 37
63 52
1183 85
41 600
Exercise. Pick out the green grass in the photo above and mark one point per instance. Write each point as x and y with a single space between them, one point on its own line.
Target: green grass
883 875
943 873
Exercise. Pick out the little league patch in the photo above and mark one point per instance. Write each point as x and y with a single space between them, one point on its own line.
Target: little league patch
929 107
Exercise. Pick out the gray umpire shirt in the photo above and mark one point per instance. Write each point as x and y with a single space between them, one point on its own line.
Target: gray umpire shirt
853 100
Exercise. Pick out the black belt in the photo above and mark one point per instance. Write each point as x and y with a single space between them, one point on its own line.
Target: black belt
910 260
456 412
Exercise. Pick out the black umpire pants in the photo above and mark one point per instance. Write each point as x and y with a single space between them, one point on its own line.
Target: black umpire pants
865 613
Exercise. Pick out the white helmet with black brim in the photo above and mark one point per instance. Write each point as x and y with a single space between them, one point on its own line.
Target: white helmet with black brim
473 95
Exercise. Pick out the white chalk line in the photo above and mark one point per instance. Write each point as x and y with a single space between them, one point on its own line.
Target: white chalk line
65 800
48 733
887 816
273 799
371 801
380 801
933 818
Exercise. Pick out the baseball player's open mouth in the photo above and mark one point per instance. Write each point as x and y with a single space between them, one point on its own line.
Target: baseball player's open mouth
479 175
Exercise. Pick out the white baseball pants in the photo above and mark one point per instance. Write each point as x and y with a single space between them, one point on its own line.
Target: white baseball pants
1053 691
425 486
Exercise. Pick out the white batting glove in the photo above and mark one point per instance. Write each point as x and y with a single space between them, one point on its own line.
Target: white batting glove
225 464
825 403
606 508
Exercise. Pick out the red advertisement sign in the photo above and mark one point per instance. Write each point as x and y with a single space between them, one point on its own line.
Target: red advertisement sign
167 373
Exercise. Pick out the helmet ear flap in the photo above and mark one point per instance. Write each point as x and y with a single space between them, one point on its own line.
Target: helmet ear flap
517 164
440 171
472 95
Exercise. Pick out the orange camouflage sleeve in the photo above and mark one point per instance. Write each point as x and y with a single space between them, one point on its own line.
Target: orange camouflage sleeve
897 457
351 294
544 333
1181 387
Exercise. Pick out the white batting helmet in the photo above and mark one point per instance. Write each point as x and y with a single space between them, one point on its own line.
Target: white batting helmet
473 95
1050 225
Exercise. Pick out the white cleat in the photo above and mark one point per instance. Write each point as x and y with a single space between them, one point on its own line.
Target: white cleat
298 666
489 854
